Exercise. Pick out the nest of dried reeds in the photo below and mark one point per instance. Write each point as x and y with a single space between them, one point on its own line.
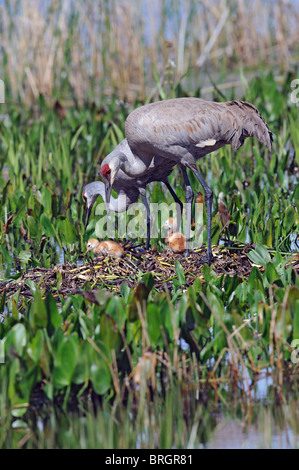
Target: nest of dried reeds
110 273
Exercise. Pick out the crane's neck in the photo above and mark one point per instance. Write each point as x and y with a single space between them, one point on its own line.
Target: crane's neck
119 204
136 166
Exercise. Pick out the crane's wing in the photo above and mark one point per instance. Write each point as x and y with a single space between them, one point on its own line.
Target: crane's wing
193 122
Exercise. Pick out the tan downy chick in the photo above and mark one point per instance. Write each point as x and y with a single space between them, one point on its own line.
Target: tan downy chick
176 240
105 248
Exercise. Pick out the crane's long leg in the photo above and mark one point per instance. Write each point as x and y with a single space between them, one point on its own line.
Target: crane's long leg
147 207
189 200
177 200
209 202
148 216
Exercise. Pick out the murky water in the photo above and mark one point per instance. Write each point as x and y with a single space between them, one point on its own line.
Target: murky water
236 424
231 434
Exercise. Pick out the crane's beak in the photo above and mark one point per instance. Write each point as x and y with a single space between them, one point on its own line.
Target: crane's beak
108 188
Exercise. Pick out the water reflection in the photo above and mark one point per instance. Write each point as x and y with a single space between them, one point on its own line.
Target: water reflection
175 421
231 434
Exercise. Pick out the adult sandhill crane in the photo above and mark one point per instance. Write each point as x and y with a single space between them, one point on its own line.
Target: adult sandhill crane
180 131
127 188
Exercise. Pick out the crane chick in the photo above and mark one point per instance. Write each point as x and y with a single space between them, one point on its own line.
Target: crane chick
176 240
105 248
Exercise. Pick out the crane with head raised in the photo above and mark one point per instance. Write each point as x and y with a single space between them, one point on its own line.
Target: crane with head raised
181 131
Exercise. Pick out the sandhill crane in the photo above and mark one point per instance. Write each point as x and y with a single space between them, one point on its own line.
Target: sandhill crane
105 248
127 188
180 131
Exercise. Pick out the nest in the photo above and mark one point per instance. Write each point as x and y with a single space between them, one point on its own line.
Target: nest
110 273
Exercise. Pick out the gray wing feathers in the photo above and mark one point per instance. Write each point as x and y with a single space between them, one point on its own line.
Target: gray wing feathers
194 121
248 122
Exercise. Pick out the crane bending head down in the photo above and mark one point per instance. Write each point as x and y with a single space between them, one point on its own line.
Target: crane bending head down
122 158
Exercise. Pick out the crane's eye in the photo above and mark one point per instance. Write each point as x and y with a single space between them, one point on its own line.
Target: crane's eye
105 170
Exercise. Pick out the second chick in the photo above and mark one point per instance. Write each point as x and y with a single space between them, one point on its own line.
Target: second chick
105 248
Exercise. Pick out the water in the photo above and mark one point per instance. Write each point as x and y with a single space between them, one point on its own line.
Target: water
230 434
178 422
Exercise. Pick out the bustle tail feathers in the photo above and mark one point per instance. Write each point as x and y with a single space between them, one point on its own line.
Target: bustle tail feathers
251 124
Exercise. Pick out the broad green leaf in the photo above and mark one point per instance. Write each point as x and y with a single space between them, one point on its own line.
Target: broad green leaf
109 334
65 363
148 280
16 338
35 347
259 256
180 272
100 377
271 273
125 291
47 225
289 219
54 317
66 230
153 324
38 315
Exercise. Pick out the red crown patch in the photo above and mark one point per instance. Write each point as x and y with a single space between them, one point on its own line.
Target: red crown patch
105 170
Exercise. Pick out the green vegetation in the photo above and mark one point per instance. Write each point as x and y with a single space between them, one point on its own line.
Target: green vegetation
46 160
155 354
